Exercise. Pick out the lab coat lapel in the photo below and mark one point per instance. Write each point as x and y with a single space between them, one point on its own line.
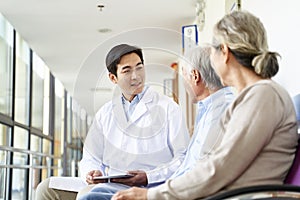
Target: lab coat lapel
141 108
118 112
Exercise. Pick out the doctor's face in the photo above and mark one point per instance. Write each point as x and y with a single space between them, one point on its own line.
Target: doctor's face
130 75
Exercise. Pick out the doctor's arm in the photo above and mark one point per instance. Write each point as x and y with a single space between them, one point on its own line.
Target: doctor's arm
178 140
91 162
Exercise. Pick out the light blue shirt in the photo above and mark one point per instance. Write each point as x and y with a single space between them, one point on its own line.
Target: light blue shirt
207 124
130 106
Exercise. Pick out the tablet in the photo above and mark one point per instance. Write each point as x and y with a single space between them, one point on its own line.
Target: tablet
113 176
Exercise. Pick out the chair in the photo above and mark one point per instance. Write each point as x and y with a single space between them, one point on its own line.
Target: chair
260 192
296 102
289 190
293 176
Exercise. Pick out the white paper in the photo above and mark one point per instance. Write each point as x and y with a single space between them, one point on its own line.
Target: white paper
74 184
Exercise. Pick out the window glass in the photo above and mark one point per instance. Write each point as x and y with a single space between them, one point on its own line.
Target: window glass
46 102
18 184
6 61
20 138
19 175
69 119
22 81
75 121
35 143
20 142
3 182
68 165
59 127
5 132
46 161
38 77
35 160
83 123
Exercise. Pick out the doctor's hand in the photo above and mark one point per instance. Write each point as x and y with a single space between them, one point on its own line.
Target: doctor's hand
90 177
133 193
139 179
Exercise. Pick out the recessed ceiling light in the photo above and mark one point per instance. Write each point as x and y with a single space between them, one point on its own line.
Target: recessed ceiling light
100 7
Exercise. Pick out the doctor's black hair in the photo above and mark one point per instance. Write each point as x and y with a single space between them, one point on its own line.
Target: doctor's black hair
115 54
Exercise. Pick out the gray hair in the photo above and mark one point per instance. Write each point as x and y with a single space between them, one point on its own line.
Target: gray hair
246 37
199 59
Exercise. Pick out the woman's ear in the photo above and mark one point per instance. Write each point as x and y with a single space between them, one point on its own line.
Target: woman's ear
113 78
225 51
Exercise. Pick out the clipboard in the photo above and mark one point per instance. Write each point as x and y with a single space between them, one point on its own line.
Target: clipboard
113 176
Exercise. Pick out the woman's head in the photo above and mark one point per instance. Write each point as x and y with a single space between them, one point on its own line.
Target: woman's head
246 38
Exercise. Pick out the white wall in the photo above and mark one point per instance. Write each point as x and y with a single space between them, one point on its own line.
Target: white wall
281 19
214 10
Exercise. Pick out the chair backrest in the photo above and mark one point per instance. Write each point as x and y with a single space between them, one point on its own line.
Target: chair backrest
293 176
296 101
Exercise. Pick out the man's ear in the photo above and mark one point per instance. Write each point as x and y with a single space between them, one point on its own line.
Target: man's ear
196 76
113 78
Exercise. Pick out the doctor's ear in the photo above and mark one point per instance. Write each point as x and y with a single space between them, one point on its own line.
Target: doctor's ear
113 78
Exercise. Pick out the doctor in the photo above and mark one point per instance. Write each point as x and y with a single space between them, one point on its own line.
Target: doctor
138 132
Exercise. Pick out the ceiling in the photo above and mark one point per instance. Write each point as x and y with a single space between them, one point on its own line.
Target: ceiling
73 37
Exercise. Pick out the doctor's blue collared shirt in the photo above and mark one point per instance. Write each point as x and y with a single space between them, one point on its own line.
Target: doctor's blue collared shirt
209 113
129 107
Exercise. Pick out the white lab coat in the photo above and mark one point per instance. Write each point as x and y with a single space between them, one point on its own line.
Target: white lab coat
153 140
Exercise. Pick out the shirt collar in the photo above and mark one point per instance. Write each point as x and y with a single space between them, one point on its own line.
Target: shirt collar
208 100
137 97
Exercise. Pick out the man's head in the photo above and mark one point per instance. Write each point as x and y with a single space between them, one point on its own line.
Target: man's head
115 54
125 64
200 78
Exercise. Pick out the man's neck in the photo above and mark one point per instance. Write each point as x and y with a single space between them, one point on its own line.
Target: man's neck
130 98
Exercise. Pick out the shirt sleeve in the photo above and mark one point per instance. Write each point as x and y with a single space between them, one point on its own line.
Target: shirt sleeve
250 125
178 139
92 149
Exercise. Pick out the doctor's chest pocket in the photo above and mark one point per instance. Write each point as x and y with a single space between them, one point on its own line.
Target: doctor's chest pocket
150 124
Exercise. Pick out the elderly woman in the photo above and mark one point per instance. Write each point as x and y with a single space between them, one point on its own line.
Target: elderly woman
259 128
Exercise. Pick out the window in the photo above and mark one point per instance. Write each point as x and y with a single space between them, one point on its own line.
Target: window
59 127
46 161
35 162
33 145
20 159
22 81
6 61
40 93
5 136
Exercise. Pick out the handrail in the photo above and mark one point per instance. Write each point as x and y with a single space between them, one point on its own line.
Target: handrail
29 167
13 149
31 154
